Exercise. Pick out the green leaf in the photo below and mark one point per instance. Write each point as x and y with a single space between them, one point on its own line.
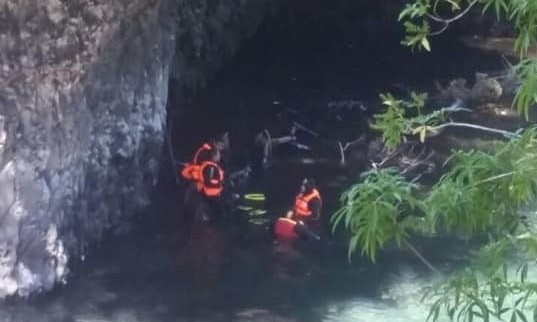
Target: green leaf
425 44
524 273
521 315
454 5
503 311
352 246
423 134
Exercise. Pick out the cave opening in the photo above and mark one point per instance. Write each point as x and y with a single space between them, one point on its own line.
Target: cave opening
304 58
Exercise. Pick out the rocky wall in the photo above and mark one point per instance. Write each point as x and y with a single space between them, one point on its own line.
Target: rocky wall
83 90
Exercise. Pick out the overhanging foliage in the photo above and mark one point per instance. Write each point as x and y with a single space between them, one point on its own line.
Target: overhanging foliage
481 193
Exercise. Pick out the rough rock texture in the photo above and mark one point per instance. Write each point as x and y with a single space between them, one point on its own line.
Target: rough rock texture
83 89
209 31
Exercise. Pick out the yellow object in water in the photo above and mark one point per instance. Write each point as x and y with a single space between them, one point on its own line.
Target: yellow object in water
257 212
259 221
254 196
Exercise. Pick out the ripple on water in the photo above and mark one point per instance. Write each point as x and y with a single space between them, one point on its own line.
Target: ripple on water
260 315
399 302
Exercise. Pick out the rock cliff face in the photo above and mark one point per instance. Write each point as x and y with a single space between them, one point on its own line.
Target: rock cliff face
83 89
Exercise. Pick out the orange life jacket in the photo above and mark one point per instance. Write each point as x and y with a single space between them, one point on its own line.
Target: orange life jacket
214 189
203 147
284 228
301 203
191 172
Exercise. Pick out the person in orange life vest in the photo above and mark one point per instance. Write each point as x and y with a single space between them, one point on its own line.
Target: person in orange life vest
304 215
202 197
308 204
211 180
191 170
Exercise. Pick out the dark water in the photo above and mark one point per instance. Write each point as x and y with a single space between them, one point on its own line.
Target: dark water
158 273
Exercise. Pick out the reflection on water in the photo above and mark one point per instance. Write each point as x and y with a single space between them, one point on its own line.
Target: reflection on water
218 275
399 302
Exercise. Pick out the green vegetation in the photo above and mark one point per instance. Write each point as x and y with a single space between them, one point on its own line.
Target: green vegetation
419 16
483 193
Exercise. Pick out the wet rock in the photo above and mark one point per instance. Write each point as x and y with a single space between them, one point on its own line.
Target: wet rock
83 93
484 89
412 158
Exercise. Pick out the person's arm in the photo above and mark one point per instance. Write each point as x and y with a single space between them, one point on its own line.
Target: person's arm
315 206
289 214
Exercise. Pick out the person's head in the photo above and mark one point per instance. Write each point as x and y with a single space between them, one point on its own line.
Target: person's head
215 155
222 142
308 184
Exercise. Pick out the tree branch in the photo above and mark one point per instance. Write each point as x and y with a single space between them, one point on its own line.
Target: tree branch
446 22
439 31
305 129
343 148
477 127
341 153
386 159
422 258
452 19
418 161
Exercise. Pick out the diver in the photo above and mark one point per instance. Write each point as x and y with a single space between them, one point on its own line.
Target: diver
304 216
204 194
308 204
191 171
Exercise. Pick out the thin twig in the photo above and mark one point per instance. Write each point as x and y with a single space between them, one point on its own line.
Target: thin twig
457 17
305 129
416 162
496 177
343 148
455 109
349 144
341 153
170 151
422 258
439 31
477 127
446 22
388 158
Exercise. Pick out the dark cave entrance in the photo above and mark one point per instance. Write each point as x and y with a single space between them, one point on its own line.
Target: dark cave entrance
307 55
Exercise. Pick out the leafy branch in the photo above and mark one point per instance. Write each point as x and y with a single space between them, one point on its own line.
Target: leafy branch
481 191
394 125
372 211
522 14
526 94
490 288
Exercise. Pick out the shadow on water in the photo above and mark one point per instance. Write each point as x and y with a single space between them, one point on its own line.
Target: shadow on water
158 274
